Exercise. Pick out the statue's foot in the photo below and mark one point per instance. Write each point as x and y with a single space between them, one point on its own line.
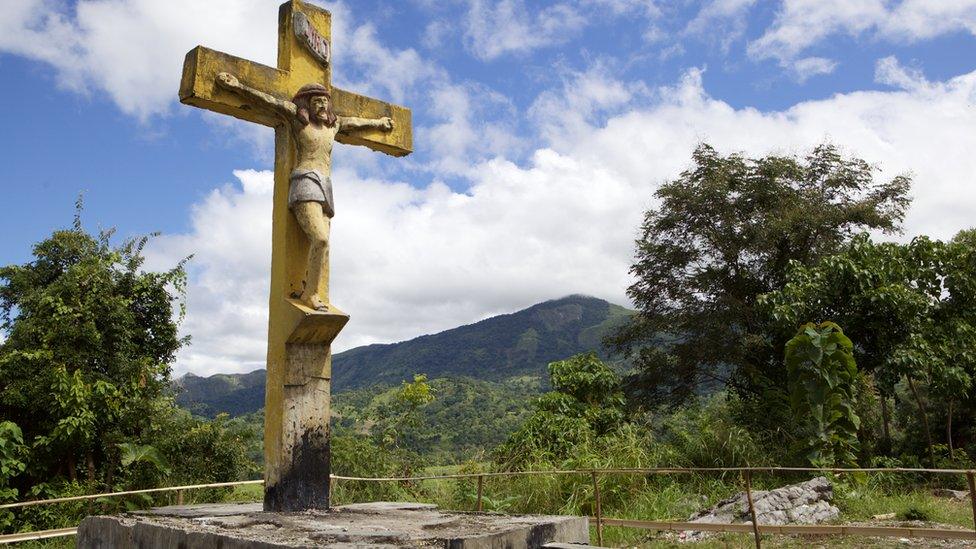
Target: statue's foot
317 304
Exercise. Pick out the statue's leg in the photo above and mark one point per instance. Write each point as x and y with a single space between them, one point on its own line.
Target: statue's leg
315 223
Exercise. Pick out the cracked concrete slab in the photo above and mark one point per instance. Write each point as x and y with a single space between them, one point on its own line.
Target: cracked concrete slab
380 524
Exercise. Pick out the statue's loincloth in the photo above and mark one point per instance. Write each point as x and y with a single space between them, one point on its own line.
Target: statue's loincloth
310 186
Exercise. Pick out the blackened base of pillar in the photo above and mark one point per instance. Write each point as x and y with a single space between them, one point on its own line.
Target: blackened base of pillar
304 483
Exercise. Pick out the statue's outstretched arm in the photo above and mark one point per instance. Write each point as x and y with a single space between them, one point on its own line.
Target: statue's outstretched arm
230 82
354 123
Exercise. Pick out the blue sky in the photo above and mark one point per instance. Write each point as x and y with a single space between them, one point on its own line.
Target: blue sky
541 132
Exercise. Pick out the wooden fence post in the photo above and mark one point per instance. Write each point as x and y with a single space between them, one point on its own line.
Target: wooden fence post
179 497
972 494
481 488
598 510
747 475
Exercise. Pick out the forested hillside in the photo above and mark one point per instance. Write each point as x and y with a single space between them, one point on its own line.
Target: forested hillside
234 394
495 349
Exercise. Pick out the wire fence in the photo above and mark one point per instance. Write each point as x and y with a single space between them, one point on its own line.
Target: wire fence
753 527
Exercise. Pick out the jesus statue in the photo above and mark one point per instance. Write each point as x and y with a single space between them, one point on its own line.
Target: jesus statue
314 125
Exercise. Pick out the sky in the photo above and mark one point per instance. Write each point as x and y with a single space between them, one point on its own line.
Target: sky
541 131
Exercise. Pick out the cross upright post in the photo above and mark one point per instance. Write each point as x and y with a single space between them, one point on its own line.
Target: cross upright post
302 322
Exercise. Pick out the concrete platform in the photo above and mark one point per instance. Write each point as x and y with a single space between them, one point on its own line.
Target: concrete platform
385 525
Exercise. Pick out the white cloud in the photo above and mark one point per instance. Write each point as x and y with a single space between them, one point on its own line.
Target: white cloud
808 67
722 21
133 50
646 8
802 24
436 34
891 72
228 292
384 71
914 20
583 98
408 261
495 28
474 123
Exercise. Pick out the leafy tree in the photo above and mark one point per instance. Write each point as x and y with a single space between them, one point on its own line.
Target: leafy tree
399 424
724 232
90 339
143 453
201 451
585 402
822 379
467 418
12 452
911 308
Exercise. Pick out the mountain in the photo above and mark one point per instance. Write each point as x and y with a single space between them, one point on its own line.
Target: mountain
494 349
236 394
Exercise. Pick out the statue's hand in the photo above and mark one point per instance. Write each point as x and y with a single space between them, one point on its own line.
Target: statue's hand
228 80
386 123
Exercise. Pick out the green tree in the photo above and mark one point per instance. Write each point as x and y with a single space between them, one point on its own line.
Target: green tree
90 337
12 463
911 308
585 402
400 423
723 233
822 380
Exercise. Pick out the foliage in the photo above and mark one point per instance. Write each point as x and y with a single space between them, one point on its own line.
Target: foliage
84 378
354 455
915 513
705 434
586 402
398 423
822 378
202 451
401 438
725 232
467 418
90 340
12 452
911 308
143 453
702 434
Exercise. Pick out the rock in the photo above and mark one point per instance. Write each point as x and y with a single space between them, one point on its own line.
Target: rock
957 495
804 503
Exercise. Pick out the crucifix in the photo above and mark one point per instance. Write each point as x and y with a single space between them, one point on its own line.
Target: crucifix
308 114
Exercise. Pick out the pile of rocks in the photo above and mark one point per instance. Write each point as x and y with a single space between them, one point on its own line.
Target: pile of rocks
804 503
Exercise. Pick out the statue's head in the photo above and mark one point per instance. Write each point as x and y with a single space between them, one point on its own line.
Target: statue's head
314 104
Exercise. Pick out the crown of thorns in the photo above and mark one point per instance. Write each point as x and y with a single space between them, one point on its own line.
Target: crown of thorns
312 90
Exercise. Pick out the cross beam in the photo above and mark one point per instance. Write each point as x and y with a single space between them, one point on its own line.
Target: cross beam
297 407
199 89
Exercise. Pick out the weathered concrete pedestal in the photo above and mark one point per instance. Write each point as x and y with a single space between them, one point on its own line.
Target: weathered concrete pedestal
387 525
297 411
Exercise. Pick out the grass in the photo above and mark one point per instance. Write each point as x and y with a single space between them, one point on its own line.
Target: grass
676 498
246 493
861 506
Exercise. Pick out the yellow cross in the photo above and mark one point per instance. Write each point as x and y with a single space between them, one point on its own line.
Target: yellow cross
296 438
